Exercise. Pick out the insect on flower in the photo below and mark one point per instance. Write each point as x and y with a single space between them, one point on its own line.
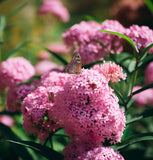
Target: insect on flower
74 67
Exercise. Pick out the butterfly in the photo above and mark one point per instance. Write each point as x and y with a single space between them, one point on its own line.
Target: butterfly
74 67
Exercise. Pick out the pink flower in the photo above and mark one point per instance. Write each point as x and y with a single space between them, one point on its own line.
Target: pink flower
56 8
38 112
6 120
149 73
44 55
90 110
15 70
80 33
46 66
16 94
111 71
141 35
59 48
77 150
84 36
143 98
54 79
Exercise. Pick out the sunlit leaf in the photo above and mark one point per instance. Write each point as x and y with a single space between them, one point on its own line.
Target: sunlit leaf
16 11
129 40
43 150
2 27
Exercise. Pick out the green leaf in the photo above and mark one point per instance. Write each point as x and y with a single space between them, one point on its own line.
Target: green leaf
2 27
132 65
150 5
143 53
43 150
145 114
16 11
129 40
143 88
19 46
57 56
20 151
146 61
133 140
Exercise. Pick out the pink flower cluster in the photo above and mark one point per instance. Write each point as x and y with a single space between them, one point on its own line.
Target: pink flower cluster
38 107
149 73
141 35
111 71
56 8
17 93
83 104
84 36
46 66
145 97
90 110
15 70
77 150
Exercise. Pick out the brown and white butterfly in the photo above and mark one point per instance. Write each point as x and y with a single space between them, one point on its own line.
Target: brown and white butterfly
74 67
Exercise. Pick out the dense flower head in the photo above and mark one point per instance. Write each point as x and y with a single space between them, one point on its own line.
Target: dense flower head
53 78
56 8
112 42
90 110
77 150
149 73
38 112
17 93
143 98
80 33
101 153
15 70
46 66
86 34
141 35
111 71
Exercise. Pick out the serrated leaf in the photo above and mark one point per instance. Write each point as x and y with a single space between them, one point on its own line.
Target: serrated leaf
2 27
20 151
16 11
43 150
129 40
57 56
133 140
143 53
145 114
